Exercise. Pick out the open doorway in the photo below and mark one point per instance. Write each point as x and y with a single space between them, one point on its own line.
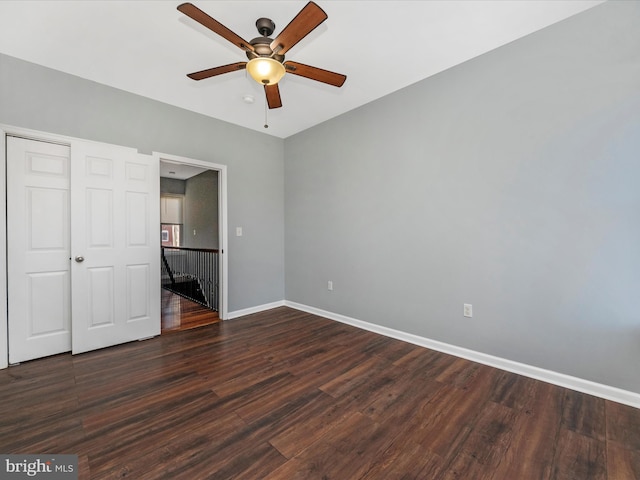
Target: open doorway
193 240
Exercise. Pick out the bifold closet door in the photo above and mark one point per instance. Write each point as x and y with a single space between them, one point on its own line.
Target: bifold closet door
115 245
38 247
83 247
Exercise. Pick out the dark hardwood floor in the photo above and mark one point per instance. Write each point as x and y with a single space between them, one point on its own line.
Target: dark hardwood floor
287 395
179 313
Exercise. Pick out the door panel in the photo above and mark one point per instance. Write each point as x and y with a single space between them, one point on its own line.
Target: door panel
115 214
47 211
138 286
99 227
137 205
100 296
38 244
49 310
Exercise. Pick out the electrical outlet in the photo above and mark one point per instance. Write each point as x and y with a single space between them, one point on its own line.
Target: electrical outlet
468 310
330 285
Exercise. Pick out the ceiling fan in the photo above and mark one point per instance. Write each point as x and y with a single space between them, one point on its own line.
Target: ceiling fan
266 63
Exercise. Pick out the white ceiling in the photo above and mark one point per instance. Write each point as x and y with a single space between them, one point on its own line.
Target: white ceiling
179 171
148 47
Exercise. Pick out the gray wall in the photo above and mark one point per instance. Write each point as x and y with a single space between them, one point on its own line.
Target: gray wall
509 182
38 98
172 185
201 211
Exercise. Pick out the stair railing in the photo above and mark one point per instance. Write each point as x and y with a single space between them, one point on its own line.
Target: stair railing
192 273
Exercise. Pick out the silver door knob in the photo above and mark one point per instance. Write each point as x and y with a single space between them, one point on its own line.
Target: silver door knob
79 259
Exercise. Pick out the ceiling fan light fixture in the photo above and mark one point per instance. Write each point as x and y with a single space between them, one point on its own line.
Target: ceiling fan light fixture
265 70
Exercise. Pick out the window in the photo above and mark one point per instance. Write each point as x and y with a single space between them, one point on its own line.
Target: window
171 220
170 235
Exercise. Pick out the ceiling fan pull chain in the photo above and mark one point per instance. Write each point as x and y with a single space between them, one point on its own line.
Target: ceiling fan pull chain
266 124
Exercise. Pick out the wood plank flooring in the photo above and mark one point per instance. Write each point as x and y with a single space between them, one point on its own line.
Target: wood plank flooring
179 313
284 395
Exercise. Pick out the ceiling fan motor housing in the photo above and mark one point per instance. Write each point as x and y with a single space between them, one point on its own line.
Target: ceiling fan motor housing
262 48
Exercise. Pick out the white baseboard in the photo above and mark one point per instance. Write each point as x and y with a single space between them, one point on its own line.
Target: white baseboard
574 383
257 309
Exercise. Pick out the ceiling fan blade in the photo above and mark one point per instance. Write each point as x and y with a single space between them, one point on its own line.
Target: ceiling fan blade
304 23
315 73
212 72
212 24
273 95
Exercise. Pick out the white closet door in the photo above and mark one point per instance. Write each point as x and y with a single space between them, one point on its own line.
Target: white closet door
115 245
38 288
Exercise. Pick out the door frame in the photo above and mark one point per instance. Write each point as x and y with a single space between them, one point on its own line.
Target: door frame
223 309
4 327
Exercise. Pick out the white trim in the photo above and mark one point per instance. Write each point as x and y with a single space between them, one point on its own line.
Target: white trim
4 334
257 309
40 136
222 221
574 383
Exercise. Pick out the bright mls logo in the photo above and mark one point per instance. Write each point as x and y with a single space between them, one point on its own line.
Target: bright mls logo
51 467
